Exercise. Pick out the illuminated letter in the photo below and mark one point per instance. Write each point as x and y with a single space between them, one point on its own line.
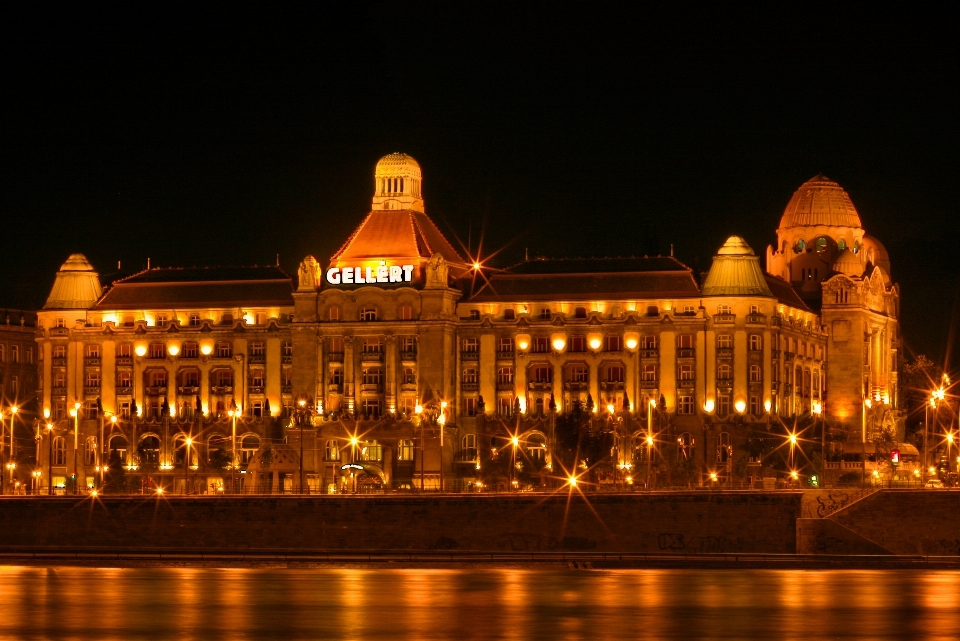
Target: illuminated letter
333 275
381 274
347 275
358 275
408 273
370 277
396 274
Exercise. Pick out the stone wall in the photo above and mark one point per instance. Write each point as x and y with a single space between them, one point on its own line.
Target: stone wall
677 523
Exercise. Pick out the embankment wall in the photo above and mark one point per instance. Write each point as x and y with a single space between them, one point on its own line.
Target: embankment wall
678 523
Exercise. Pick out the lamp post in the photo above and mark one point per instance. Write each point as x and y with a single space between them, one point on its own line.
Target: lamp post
46 415
12 464
817 414
650 405
419 412
514 441
232 413
301 416
186 466
75 414
442 421
354 441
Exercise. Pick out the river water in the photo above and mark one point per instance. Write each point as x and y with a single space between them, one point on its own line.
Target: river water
476 603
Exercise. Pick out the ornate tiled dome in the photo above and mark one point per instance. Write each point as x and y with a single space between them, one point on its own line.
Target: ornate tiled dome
820 201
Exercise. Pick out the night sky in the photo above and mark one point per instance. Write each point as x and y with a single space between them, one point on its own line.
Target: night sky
206 134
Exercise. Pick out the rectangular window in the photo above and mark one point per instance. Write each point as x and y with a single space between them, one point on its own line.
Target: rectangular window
408 345
685 372
755 407
336 376
505 345
224 350
189 350
191 378
124 379
405 450
59 351
14 353
469 406
650 372
256 378
157 350
724 341
59 380
614 373
471 345
723 404
685 341
409 376
29 355
756 342
505 376
194 320
286 348
124 409
648 342
685 405
256 349
541 374
756 374
372 376
2 354
161 320
371 407
470 375
93 351
577 344
336 346
579 374
541 345
92 379
613 343
286 376
505 406
372 346
124 350
545 313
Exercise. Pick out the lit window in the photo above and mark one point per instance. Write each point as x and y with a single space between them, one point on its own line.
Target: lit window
612 343
685 372
189 350
505 376
405 450
256 349
333 313
545 313
577 344
724 341
194 320
157 350
332 451
756 374
161 320
685 405
406 312
224 349
541 345
474 314
470 375
368 314
756 342
505 345
613 373
648 342
470 345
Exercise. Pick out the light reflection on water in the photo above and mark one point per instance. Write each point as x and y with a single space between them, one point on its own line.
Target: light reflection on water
476 603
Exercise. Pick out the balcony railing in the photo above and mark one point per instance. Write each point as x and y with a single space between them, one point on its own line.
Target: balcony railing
409 387
91 390
649 383
504 387
370 387
611 385
256 358
91 361
59 331
756 319
469 387
649 353
286 389
188 390
469 356
724 318
685 352
124 360
575 386
539 386
335 388
59 361
505 355
369 357
686 382
286 359
410 356
725 352
255 389
222 389
335 357
157 390
124 391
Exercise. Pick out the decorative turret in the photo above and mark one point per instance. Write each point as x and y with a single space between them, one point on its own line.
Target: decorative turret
735 272
397 184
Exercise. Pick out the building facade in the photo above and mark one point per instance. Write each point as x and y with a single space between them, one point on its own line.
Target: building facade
402 364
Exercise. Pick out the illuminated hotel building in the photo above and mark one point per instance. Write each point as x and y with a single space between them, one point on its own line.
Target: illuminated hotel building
364 364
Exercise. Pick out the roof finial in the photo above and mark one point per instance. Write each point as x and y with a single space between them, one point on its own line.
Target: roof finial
671 250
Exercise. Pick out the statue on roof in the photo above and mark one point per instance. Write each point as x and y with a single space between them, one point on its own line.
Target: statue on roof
309 274
437 272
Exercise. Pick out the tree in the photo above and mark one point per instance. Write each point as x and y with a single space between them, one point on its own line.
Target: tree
221 459
578 439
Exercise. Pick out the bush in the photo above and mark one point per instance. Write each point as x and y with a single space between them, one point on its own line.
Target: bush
850 478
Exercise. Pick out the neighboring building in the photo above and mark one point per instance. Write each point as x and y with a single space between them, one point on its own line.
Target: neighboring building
355 374
18 382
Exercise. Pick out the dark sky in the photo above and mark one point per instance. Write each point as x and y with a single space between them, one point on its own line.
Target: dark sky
225 134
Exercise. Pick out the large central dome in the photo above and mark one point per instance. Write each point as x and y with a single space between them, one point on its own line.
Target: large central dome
820 202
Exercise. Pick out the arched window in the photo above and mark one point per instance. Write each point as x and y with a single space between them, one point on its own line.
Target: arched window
249 445
333 313
685 444
756 374
724 450
536 447
406 312
580 312
118 449
179 449
371 451
724 372
368 313
149 449
59 451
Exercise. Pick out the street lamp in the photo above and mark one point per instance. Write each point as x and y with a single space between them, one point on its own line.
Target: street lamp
186 466
232 413
13 414
818 414
46 416
441 421
75 414
301 416
514 441
650 405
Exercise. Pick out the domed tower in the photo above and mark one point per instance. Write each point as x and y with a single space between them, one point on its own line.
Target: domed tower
397 184
824 252
77 285
817 226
